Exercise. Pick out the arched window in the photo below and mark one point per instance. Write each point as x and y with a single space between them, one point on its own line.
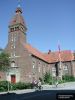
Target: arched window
13 64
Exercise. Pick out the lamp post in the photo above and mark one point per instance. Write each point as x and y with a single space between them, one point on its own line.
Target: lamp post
8 81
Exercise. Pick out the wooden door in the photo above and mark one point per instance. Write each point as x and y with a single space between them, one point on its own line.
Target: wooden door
13 79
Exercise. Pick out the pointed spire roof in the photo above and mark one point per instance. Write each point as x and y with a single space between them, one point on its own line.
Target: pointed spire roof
18 18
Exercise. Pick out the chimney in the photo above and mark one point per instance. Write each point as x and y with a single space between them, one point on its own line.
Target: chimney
49 51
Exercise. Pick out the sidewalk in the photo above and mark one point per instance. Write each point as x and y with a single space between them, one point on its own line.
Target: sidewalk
64 86
19 91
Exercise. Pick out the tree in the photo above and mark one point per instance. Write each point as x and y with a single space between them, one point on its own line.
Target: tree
4 61
48 78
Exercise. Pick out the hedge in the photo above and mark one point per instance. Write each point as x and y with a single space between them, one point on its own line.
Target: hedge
16 86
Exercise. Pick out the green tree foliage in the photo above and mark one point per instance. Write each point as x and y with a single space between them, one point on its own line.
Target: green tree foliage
48 78
4 61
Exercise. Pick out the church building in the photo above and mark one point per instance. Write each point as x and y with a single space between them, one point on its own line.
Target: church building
28 63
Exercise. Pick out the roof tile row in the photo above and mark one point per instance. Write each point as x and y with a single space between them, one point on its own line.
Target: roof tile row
51 57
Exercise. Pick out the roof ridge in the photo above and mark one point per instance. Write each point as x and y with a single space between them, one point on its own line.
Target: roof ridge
66 55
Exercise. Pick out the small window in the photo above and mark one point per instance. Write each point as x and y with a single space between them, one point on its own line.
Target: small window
14 54
12 38
17 28
53 69
13 64
11 29
33 62
65 67
11 46
14 45
44 70
39 69
33 66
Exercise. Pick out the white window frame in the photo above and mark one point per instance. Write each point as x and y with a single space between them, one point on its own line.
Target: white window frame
65 67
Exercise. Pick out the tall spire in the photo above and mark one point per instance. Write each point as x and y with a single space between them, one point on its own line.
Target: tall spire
18 18
19 7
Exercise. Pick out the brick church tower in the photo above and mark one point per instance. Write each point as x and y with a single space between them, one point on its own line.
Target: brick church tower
26 62
20 65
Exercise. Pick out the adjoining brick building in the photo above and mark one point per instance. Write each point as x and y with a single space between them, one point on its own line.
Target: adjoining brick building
28 63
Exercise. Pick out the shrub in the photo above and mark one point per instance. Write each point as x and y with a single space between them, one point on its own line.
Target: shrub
2 89
16 86
61 81
20 85
4 85
48 78
68 78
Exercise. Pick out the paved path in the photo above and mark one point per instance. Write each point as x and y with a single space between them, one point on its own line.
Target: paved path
64 86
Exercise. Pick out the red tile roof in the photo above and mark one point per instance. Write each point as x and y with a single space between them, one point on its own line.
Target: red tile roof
52 57
35 52
65 55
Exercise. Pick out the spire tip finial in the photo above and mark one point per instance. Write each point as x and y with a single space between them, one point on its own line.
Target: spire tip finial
19 3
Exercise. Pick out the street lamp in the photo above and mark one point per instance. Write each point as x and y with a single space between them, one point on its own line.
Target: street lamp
8 81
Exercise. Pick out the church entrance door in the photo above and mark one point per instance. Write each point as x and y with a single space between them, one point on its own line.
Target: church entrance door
13 79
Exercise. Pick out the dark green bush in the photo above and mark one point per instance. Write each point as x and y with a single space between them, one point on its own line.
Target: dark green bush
4 85
20 85
16 86
2 89
68 78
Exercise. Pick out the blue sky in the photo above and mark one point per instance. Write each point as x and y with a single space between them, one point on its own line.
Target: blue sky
48 21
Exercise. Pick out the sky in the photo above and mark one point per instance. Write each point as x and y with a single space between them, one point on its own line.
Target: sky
50 23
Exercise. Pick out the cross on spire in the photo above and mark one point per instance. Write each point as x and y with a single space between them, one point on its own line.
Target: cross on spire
19 3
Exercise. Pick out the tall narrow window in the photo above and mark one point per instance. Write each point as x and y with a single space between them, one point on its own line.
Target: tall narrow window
33 64
11 54
44 71
65 70
39 69
53 71
12 38
39 66
14 54
33 67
